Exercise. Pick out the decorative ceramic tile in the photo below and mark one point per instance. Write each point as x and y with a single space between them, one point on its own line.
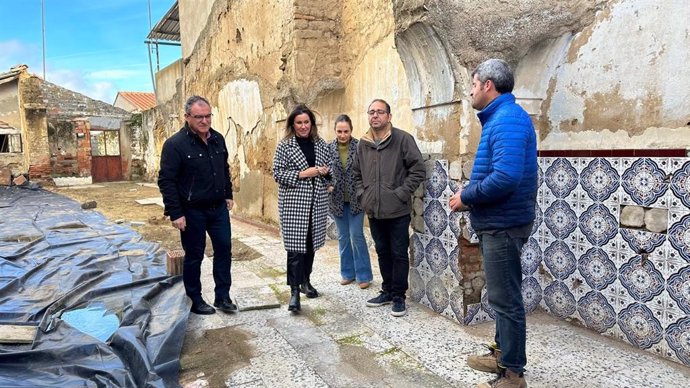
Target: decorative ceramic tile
679 235
454 224
417 287
640 326
436 255
560 259
540 176
559 299
438 181
531 256
538 218
597 269
454 262
599 179
435 218
642 241
618 296
644 181
598 224
456 303
642 280
485 304
596 312
473 235
531 293
476 315
678 338
417 256
561 177
667 263
665 309
560 219
678 287
680 186
437 294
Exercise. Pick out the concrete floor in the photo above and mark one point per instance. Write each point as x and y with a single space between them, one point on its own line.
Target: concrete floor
339 342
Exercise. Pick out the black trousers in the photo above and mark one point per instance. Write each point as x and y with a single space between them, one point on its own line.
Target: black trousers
215 221
392 241
299 265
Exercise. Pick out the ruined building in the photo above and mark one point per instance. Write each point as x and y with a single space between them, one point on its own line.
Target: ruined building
57 135
605 81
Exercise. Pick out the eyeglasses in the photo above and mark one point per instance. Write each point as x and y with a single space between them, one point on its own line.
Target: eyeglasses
201 117
379 112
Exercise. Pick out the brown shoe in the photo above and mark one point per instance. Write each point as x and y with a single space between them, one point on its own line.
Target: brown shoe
507 379
345 282
364 285
487 362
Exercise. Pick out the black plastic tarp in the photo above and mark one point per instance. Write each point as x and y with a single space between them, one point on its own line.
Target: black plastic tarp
106 310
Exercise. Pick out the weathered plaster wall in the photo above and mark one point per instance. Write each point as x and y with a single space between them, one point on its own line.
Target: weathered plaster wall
166 81
193 17
622 82
10 113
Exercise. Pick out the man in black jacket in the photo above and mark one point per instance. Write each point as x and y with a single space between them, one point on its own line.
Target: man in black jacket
194 179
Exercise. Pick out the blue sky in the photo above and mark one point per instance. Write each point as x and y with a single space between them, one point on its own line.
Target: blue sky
95 47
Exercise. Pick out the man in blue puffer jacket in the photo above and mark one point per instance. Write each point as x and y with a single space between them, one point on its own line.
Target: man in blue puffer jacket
501 198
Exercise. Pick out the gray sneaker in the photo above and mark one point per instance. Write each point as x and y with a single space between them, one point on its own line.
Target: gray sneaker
398 309
382 299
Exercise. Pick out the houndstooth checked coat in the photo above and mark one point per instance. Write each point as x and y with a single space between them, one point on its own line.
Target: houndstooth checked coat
297 198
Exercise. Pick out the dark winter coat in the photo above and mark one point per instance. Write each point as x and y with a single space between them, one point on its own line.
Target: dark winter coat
193 173
387 174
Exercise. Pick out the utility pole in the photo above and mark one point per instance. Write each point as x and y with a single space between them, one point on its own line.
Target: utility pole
43 35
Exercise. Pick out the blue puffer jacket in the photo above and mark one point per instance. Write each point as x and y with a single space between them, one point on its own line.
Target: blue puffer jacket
503 187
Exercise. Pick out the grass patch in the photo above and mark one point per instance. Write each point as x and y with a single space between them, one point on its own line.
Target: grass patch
316 314
390 351
283 296
271 272
353 340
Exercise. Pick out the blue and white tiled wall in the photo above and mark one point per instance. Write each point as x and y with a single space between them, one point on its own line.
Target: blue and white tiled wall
578 263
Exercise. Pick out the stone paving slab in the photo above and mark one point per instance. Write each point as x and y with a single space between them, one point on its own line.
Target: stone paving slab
255 298
337 341
150 201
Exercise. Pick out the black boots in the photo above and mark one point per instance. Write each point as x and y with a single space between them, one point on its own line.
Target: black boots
294 305
308 290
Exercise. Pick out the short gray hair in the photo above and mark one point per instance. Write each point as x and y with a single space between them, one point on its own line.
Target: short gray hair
193 100
499 72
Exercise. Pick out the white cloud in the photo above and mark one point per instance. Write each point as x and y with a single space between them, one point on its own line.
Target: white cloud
114 74
75 81
13 49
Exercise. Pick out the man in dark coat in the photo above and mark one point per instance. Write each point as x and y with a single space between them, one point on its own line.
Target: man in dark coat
194 179
388 169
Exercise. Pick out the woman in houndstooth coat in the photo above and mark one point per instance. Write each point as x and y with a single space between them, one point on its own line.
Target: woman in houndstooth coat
300 167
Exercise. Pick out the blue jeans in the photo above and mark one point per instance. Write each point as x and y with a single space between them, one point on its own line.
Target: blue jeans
501 255
355 262
216 221
392 242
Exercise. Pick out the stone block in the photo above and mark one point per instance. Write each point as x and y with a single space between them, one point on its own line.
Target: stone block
5 176
656 220
632 216
20 180
467 169
455 170
89 205
418 224
418 206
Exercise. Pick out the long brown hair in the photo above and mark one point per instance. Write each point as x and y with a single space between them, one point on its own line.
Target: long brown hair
290 123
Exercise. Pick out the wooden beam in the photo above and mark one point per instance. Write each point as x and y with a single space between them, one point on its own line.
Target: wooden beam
17 334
